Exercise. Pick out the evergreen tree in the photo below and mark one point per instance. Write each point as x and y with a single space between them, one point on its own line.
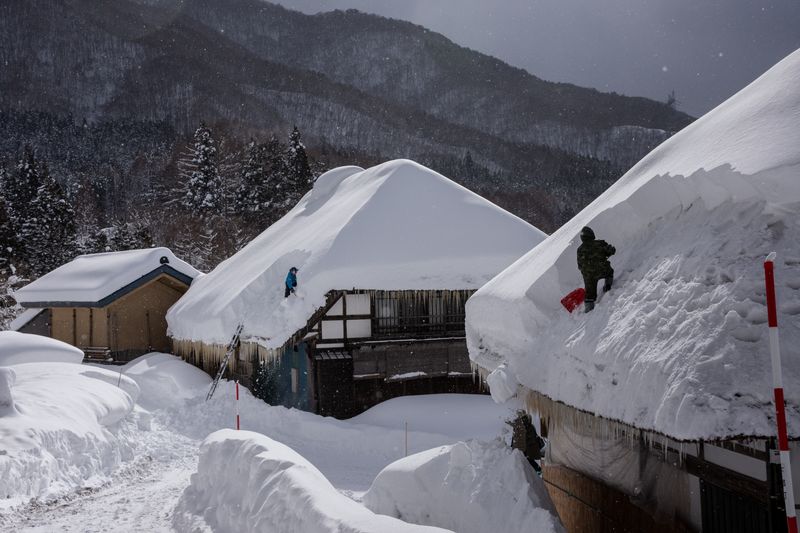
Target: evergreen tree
20 187
8 241
252 193
265 381
48 231
202 191
300 178
130 236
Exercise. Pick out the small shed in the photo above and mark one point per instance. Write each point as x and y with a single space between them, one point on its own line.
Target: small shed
110 305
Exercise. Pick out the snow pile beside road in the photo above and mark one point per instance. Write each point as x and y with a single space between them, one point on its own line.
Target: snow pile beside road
18 348
469 487
397 225
165 379
248 482
64 431
679 345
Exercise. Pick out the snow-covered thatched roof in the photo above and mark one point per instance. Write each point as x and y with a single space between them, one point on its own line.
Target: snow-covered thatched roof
98 278
680 344
397 225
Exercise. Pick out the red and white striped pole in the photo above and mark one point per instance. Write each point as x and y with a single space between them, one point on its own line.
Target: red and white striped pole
237 404
780 409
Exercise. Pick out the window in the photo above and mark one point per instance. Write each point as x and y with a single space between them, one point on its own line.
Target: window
295 381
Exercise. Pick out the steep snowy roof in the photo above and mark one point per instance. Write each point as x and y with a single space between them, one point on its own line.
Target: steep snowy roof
397 225
680 344
93 278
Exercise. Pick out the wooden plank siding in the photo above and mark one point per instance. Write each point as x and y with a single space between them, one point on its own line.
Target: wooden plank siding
589 506
389 335
131 325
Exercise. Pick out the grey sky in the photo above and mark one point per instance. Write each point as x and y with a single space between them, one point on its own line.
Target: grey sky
705 50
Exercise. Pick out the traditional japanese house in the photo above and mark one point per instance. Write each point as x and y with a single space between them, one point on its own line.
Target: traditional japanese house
387 258
658 404
112 305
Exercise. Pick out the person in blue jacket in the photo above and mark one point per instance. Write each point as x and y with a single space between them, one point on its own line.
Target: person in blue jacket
291 282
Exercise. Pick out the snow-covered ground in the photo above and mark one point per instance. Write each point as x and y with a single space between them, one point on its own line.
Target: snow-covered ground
131 473
680 343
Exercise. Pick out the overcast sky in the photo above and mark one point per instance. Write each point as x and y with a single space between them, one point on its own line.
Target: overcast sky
705 50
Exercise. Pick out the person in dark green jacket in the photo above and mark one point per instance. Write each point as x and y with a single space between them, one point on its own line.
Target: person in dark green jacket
593 263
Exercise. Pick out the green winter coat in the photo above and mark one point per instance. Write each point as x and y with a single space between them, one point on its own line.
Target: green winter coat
593 259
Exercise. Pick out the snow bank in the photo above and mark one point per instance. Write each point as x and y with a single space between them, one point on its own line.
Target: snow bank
397 225
469 487
16 348
349 452
7 379
63 433
459 416
165 379
680 344
90 278
248 482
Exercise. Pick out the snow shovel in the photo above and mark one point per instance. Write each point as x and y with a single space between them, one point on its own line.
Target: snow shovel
574 299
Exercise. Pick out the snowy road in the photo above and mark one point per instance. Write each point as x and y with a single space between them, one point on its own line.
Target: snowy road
140 497
142 494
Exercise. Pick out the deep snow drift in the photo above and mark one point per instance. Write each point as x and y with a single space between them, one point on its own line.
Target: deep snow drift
246 481
469 487
680 344
397 225
24 348
92 277
58 420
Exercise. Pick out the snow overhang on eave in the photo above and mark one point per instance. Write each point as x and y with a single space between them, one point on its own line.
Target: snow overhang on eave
119 293
558 412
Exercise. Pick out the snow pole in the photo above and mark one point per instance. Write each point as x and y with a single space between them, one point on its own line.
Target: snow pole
780 408
237 404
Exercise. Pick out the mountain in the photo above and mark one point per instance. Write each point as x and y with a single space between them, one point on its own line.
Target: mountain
353 81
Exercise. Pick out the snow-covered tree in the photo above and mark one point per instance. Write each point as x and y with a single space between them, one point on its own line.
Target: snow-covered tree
20 187
300 177
130 236
47 233
252 195
8 240
202 189
264 381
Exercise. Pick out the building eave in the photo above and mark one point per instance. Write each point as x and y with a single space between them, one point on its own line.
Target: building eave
119 293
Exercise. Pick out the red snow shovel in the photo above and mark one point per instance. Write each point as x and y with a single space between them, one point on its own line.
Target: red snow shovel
573 299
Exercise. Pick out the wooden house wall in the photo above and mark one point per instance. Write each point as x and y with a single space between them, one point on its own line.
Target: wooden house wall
130 326
730 485
391 336
139 321
39 325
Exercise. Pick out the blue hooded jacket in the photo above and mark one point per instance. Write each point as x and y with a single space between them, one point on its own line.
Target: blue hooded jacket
291 280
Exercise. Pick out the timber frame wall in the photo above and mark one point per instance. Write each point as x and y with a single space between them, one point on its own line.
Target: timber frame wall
386 337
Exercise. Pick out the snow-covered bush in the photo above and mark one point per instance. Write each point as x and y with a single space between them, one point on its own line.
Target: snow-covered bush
469 487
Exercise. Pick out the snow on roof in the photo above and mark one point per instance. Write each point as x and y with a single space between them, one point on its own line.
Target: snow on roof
397 225
680 344
93 277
